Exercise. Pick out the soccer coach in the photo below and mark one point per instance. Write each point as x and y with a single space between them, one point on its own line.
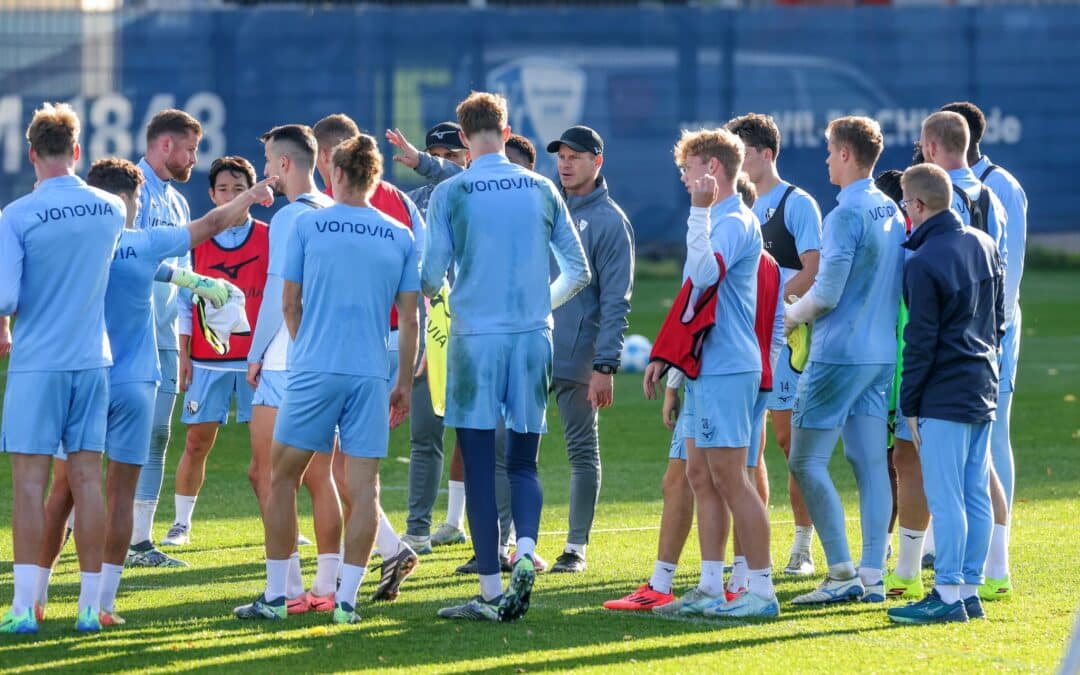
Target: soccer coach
589 328
954 289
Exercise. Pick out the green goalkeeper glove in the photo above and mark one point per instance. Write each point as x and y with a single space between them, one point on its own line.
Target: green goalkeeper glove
214 291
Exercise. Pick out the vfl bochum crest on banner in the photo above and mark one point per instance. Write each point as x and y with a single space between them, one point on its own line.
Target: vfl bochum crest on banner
544 96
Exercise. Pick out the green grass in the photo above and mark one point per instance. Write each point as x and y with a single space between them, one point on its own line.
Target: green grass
182 619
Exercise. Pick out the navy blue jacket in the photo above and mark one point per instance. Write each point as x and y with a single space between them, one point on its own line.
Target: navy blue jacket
954 287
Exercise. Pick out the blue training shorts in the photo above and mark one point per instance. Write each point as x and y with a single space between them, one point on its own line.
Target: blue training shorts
131 415
499 376
678 438
43 409
757 426
316 403
785 382
210 395
830 393
271 388
719 407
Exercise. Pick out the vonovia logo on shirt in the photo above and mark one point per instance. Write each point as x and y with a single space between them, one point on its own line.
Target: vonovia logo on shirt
192 407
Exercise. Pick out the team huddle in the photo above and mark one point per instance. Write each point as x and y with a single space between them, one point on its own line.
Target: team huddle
892 324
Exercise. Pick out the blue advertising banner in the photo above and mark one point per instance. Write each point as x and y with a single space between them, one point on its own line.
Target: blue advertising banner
638 76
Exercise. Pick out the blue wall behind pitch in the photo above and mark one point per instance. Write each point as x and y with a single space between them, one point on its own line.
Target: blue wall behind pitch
636 75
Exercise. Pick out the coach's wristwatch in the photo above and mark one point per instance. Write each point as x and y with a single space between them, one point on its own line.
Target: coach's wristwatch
605 369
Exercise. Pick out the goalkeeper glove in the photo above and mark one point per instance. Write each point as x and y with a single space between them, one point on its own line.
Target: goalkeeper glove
214 291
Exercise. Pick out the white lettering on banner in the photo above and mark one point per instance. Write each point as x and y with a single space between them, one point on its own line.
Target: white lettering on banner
108 127
11 133
900 126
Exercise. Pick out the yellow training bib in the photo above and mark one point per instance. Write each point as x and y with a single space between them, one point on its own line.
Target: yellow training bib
436 337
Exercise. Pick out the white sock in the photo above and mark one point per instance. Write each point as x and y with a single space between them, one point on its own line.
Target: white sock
842 571
455 509
89 590
968 590
185 506
909 560
387 543
326 574
804 537
143 520
294 580
277 573
928 540
351 578
712 577
950 593
576 548
739 574
997 561
504 550
526 546
71 520
44 576
870 576
760 583
341 560
26 577
110 584
490 586
663 575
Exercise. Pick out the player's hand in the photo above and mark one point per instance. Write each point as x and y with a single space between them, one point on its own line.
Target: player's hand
253 374
601 390
672 404
184 374
409 156
262 192
789 324
399 405
704 191
421 367
5 336
214 291
916 438
653 372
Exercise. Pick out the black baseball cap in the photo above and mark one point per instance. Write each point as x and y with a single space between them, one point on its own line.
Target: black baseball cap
580 138
444 135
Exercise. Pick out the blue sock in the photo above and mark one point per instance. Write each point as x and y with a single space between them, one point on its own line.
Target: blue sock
864 437
478 454
526 494
811 450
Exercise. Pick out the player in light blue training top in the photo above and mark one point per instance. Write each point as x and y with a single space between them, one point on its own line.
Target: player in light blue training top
290 152
496 222
791 233
843 391
1014 200
344 268
56 244
172 143
723 250
946 142
135 373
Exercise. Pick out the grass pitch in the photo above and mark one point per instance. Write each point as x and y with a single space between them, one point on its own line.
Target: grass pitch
181 619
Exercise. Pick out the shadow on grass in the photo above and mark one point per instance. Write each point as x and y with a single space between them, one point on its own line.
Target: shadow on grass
566 628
